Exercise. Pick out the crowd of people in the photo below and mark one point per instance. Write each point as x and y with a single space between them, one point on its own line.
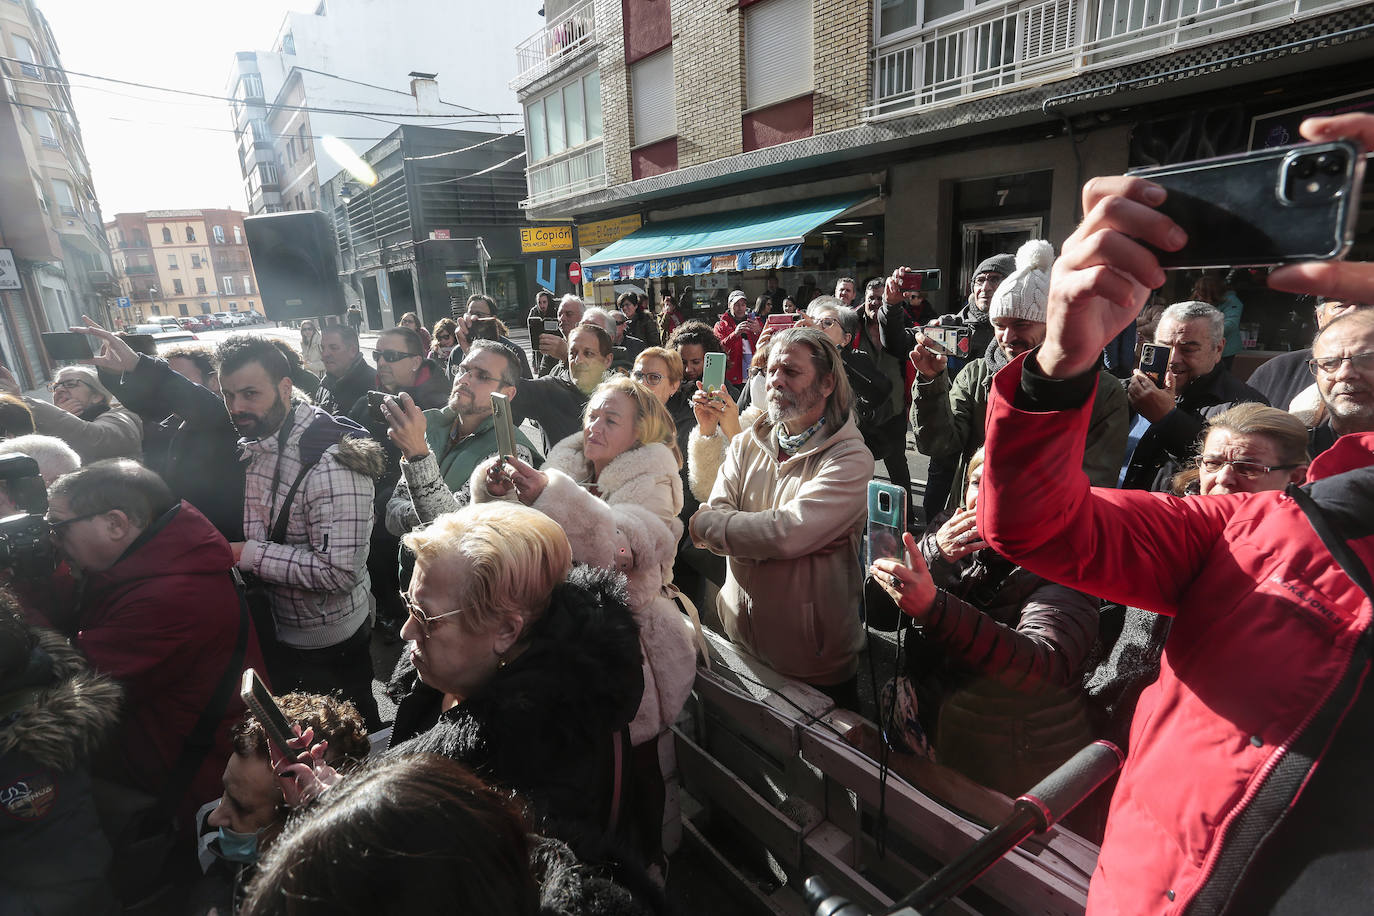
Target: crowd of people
1175 561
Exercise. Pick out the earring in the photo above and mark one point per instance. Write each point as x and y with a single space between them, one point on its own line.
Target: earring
500 662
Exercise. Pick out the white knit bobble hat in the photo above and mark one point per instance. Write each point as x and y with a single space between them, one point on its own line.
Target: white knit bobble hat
1025 293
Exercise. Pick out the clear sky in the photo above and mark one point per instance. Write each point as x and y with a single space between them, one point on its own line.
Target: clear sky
150 150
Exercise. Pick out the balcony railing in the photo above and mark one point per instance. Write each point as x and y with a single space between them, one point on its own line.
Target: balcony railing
559 41
134 270
573 172
1030 43
50 142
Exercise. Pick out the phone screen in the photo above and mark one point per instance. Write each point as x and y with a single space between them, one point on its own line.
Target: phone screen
67 345
505 428
713 372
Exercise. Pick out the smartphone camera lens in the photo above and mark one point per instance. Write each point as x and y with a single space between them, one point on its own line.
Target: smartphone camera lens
1331 163
1304 167
884 502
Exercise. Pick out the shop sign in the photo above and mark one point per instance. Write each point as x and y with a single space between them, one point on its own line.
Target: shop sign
546 238
9 273
605 231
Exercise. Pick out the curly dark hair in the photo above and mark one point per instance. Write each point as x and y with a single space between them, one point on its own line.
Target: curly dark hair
694 332
238 350
200 357
335 720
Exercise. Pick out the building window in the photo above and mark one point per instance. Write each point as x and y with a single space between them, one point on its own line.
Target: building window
653 99
28 55
218 232
190 233
195 260
205 308
200 284
314 196
66 201
238 236
778 52
177 288
43 125
166 236
247 284
896 16
185 310
227 285
564 118
172 262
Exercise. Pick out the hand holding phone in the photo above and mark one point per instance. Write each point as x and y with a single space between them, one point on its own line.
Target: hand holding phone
375 400
713 372
505 427
886 521
264 708
1154 362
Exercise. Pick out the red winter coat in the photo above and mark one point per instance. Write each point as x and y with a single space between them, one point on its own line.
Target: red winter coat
163 621
1265 627
732 335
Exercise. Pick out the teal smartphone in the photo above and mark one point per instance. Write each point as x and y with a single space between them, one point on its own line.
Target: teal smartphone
886 521
713 372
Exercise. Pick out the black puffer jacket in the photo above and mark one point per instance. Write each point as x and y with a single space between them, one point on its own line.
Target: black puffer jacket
545 724
53 713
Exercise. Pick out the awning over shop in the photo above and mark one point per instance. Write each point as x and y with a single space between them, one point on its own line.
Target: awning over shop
756 238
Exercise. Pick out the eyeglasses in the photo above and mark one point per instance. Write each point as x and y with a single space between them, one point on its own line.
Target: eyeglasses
392 356
648 378
58 526
424 621
622 321
68 385
481 375
828 322
1363 362
1248 469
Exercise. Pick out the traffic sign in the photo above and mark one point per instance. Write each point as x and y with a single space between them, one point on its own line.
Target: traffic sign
575 273
9 273
124 302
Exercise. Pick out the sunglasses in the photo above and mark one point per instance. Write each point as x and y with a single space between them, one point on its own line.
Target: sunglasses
424 621
392 356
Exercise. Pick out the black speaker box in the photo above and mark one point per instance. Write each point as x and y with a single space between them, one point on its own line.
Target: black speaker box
296 262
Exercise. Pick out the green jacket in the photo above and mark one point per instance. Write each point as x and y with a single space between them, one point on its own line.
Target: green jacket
949 421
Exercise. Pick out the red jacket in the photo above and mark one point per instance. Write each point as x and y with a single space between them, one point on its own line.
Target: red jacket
163 621
732 335
1265 627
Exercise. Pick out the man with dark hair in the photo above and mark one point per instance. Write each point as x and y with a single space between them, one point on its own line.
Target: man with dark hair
786 511
145 560
195 363
347 376
238 827
440 448
199 458
543 308
846 290
308 498
480 307
555 401
402 368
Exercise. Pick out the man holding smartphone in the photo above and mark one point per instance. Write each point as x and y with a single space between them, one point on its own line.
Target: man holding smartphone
1247 785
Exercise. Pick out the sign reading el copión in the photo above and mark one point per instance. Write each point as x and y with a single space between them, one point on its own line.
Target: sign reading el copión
546 238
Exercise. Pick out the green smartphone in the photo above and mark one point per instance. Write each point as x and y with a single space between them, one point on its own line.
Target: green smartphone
713 372
886 521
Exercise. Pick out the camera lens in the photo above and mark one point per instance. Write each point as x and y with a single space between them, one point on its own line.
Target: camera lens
884 502
1331 164
1304 167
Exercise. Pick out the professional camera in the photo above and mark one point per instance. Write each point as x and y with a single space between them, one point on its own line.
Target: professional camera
26 547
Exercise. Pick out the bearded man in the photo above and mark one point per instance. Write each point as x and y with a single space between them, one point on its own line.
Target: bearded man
307 517
556 401
785 511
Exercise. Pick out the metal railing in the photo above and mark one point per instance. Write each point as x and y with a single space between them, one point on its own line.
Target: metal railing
572 172
1028 43
562 39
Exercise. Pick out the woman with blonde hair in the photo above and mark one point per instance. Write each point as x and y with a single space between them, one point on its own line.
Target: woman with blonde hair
520 666
1247 449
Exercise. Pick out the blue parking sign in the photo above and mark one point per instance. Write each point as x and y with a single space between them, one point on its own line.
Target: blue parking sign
124 302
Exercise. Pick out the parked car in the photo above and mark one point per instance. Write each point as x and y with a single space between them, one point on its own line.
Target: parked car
197 323
145 329
168 339
224 320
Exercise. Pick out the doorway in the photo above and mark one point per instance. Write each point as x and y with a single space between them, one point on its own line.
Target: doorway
985 238
372 302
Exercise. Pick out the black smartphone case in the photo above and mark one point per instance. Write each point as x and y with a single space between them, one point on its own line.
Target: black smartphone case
1232 208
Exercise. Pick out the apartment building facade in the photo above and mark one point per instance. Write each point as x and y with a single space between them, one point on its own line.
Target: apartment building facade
316 79
872 133
52 224
180 263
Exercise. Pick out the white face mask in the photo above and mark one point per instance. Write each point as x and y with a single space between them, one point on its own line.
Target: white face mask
758 390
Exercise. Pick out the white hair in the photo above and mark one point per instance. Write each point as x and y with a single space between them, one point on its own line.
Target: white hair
597 315
1193 310
54 456
570 298
848 317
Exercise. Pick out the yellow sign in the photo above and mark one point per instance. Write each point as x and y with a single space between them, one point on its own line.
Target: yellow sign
546 238
603 232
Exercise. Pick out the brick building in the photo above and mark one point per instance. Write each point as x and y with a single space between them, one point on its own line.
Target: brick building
921 132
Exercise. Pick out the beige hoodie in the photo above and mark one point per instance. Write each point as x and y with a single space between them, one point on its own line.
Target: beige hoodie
788 599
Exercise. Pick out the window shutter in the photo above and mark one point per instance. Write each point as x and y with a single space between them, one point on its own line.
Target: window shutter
654 100
778 51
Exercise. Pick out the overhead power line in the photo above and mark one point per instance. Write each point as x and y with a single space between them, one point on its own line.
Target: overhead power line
454 152
492 168
451 116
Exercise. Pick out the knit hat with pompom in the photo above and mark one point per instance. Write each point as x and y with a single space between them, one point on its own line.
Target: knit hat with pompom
1025 293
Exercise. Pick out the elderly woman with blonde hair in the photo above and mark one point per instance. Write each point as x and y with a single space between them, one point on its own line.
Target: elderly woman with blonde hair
84 414
519 665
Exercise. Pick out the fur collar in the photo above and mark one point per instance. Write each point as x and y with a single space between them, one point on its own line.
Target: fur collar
647 461
70 716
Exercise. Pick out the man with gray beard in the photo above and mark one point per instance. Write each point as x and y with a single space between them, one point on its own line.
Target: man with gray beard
786 511
1343 362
